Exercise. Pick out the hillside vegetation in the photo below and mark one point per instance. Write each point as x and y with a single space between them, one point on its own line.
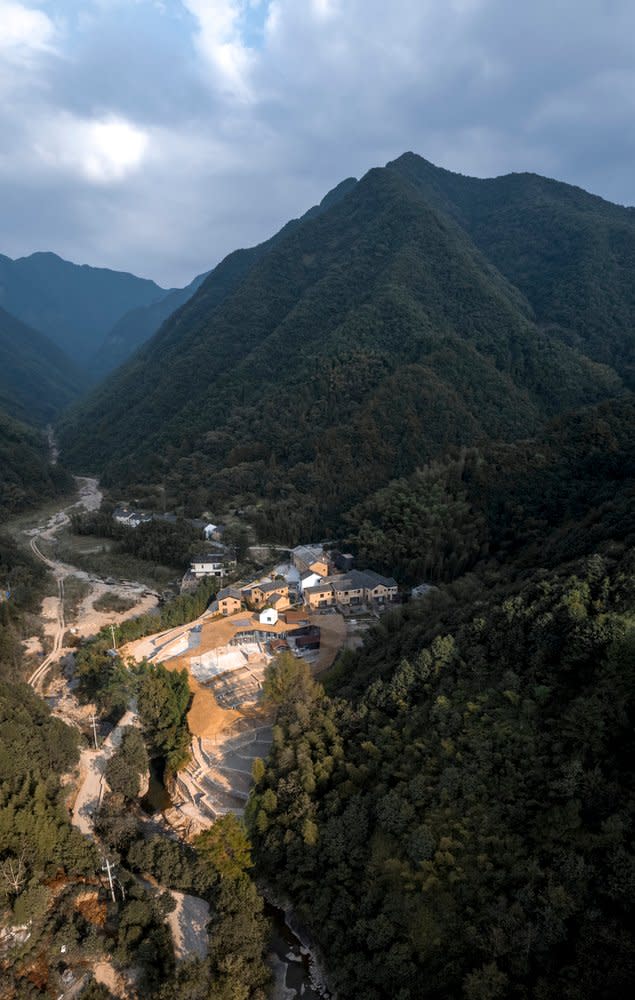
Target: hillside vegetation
464 829
26 477
453 819
364 340
570 253
37 380
137 326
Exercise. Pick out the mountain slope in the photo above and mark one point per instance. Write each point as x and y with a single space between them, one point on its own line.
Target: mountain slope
74 305
571 253
37 380
137 326
359 343
26 478
466 823
457 810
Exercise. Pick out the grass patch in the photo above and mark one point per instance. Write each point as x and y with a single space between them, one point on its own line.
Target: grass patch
113 602
75 590
105 560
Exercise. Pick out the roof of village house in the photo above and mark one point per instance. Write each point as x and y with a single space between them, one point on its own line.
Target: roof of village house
207 557
358 579
271 588
308 553
275 599
294 616
229 592
278 644
320 588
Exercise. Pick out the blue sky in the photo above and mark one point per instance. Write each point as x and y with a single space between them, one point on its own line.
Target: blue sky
157 135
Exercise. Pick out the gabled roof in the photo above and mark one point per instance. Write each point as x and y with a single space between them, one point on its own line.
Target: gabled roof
271 588
357 579
229 592
308 553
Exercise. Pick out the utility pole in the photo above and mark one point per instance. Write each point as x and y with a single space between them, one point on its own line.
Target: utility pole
107 867
93 719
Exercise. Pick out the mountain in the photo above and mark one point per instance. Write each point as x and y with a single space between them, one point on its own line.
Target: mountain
571 253
363 340
37 380
137 326
75 305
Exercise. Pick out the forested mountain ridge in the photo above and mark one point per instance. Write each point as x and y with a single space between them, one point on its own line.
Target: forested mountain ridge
361 342
37 380
546 499
571 253
75 305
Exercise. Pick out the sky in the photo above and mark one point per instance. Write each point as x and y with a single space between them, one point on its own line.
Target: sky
155 136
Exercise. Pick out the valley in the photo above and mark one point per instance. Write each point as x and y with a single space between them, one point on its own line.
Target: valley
337 630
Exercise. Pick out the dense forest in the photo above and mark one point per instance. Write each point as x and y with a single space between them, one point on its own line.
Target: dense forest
460 824
545 499
26 476
453 815
373 336
37 380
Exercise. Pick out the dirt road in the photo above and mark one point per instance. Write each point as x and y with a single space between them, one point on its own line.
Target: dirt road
92 767
88 620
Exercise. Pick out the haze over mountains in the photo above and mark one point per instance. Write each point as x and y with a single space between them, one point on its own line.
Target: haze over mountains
78 306
413 311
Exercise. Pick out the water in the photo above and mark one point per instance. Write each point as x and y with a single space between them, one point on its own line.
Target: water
157 798
293 965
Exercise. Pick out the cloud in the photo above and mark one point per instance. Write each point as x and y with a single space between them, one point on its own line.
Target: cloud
23 30
102 151
158 136
220 40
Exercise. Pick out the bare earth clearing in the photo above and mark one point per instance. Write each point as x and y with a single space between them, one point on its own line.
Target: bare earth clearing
230 728
87 620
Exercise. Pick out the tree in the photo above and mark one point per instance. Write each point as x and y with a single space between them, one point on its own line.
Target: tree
225 847
288 678
128 763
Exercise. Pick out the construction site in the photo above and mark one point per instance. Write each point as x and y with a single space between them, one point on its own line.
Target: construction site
226 658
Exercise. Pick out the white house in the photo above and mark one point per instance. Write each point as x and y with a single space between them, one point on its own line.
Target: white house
310 580
268 617
208 565
209 529
130 518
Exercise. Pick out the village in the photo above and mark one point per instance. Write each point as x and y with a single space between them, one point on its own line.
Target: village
313 604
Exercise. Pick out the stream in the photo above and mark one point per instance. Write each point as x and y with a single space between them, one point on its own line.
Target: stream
296 973
157 799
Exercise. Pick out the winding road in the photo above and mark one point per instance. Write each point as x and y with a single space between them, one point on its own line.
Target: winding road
90 497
